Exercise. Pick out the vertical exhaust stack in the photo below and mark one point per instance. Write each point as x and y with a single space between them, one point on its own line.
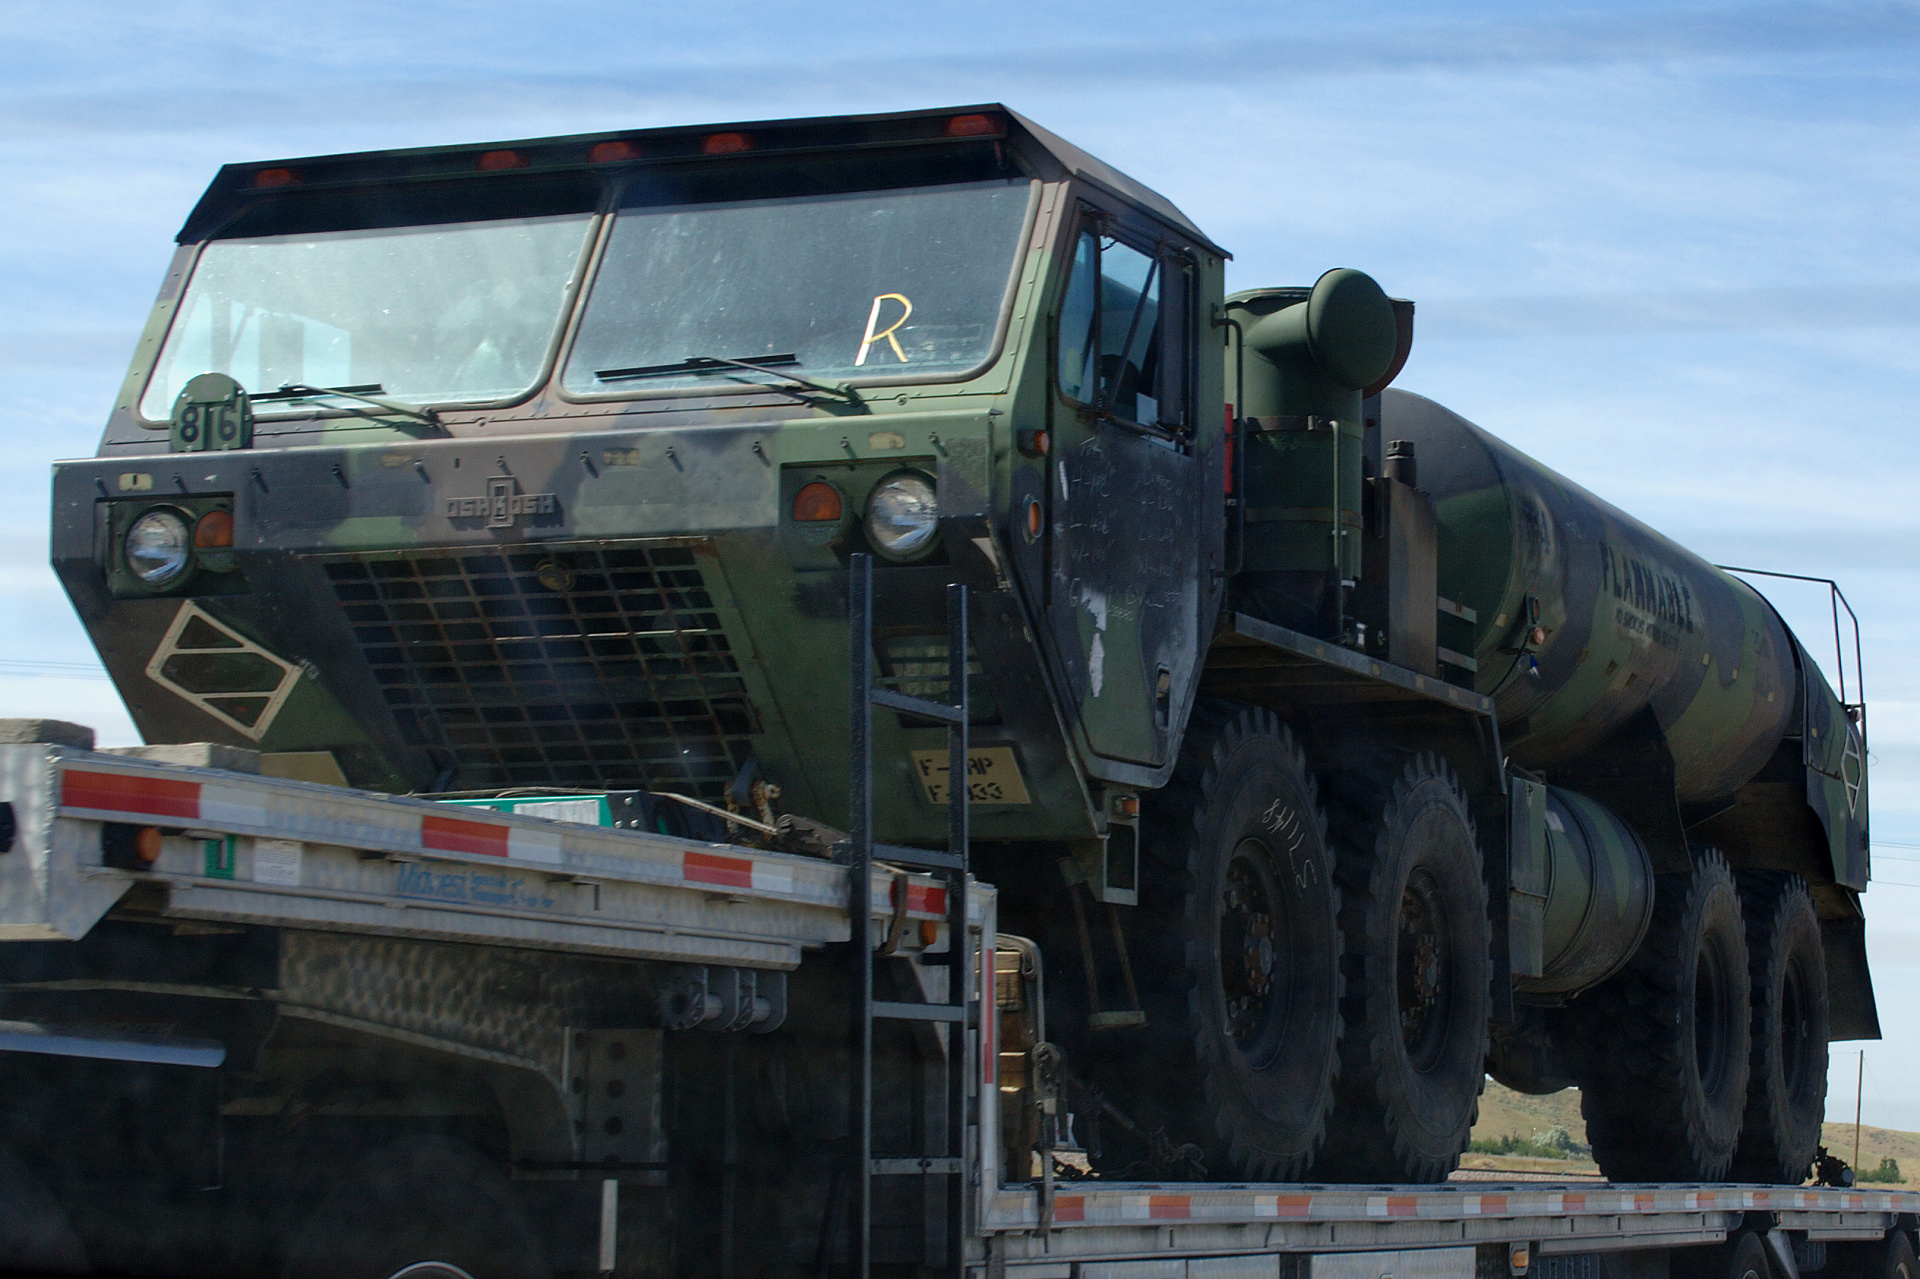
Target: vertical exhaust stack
1310 358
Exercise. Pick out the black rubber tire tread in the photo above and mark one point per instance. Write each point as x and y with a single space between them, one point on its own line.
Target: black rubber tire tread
1394 1122
1650 1116
419 1198
1742 1256
1781 1129
1888 1258
1185 1074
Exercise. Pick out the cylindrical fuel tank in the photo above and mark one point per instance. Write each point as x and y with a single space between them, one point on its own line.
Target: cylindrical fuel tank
1599 890
1583 616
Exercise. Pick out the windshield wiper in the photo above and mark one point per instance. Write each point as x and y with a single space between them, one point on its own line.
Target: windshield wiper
300 391
698 363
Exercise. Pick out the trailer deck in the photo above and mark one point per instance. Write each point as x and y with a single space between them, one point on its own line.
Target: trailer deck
1097 1221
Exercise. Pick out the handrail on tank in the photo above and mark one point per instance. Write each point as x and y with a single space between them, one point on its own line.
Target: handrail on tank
1837 600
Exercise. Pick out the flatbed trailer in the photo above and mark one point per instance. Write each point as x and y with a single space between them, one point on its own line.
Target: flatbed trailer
390 916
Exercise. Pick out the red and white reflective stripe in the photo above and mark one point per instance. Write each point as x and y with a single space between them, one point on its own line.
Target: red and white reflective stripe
1133 1206
1282 1205
1156 1207
488 839
138 795
735 872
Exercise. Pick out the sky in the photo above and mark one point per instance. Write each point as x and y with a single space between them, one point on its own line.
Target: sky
1668 249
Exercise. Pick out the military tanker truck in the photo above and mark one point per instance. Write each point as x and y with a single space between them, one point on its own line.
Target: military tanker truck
1325 753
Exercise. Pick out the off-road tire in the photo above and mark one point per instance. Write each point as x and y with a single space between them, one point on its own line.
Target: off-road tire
1236 944
1888 1258
1787 1071
1417 971
1742 1256
1663 1078
414 1204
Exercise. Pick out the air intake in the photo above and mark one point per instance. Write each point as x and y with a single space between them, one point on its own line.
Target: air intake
599 667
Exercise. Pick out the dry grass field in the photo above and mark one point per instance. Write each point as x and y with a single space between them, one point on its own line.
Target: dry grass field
1504 1113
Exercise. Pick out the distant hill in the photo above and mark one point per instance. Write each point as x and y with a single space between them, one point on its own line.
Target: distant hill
1504 1112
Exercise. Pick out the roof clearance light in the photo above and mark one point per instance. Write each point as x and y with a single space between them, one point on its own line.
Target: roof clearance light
493 161
971 126
817 503
726 143
608 152
275 178
215 529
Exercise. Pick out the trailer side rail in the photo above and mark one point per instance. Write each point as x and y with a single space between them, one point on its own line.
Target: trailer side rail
244 849
1114 1221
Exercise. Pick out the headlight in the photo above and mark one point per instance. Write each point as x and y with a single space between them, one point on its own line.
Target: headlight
157 547
902 515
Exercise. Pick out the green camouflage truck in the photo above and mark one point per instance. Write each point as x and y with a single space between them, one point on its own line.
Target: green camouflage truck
1334 754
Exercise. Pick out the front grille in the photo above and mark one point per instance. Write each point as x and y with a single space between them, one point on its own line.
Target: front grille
579 667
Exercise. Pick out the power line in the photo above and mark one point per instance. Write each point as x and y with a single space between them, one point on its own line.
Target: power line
53 670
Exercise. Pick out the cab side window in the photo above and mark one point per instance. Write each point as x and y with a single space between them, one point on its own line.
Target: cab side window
1123 332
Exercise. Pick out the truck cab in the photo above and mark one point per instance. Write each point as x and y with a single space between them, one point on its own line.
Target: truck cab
555 453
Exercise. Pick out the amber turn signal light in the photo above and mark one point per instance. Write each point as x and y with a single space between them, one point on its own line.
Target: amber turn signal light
817 503
214 530
128 847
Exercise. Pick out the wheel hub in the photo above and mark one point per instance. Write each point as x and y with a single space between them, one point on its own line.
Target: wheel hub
1247 952
1421 972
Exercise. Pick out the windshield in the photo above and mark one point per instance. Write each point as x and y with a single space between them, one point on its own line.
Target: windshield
462 312
872 284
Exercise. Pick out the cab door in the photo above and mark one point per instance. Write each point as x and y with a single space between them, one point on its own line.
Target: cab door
1127 562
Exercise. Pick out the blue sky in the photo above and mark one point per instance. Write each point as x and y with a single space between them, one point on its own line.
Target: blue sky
1668 249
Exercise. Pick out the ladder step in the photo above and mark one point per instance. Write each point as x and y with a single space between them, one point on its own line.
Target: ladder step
916 1165
918 1012
938 712
918 857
